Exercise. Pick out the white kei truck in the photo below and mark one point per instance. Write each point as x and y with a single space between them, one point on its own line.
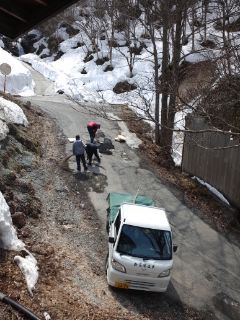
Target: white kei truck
140 248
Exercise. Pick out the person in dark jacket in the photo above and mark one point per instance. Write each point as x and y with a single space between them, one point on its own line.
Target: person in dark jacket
92 149
78 150
92 129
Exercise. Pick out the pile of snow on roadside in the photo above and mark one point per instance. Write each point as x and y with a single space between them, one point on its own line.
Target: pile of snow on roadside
8 235
29 268
19 81
10 112
9 241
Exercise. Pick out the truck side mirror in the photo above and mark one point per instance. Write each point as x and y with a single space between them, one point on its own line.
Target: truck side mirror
111 240
175 247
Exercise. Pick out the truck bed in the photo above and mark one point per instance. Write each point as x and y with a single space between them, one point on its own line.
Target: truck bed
116 199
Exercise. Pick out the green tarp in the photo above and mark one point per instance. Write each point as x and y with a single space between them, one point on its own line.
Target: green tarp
116 199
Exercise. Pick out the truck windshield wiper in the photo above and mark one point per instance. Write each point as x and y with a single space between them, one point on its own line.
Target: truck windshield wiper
122 253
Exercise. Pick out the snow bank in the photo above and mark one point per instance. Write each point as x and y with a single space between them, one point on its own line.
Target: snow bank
178 136
212 189
10 241
20 79
8 235
12 113
40 66
29 268
3 130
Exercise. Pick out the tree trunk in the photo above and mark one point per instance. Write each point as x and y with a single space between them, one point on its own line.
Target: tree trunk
205 5
177 45
164 80
156 86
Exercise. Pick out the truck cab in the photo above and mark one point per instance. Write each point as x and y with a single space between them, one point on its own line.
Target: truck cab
140 249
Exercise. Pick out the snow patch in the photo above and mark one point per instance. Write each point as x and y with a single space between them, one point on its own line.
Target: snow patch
20 79
10 241
131 139
8 235
3 130
213 190
12 113
29 268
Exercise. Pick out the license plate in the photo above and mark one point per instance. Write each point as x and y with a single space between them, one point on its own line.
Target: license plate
121 285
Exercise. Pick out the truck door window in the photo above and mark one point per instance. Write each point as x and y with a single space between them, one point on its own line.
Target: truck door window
118 222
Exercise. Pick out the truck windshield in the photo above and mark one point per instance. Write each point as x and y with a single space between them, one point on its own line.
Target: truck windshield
145 243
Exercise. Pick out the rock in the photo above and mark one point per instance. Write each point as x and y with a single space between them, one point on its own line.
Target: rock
53 43
2 186
35 208
83 71
137 49
10 46
88 58
108 68
101 61
62 189
28 104
40 49
12 205
26 161
24 187
8 177
69 29
43 249
124 86
19 219
28 41
25 232
9 195
30 205
43 56
78 45
58 55
208 44
22 137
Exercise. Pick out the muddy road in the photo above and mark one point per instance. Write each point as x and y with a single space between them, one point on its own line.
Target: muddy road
206 273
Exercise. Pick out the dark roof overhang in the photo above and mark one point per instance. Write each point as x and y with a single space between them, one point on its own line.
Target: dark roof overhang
19 16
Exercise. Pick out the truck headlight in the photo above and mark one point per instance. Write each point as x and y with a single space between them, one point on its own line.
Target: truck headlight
118 266
165 273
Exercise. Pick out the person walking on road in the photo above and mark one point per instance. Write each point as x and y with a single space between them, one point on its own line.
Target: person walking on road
78 150
92 149
92 129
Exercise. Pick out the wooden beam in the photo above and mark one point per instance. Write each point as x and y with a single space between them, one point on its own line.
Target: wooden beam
41 2
20 16
12 14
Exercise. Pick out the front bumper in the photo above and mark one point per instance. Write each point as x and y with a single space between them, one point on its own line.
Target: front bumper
126 281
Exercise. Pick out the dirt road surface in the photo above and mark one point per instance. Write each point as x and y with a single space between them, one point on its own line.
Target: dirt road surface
206 273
